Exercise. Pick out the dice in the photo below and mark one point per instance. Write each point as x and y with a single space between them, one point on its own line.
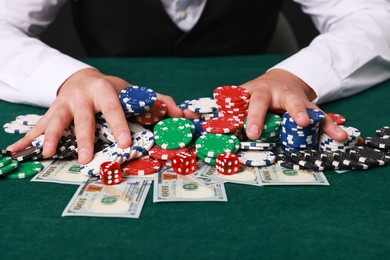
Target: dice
184 163
227 163
111 173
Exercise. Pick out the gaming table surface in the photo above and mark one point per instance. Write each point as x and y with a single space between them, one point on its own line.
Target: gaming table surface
348 219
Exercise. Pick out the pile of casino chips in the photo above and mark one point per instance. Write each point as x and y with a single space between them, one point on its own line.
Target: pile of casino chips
294 138
22 124
233 102
137 100
328 144
15 168
218 138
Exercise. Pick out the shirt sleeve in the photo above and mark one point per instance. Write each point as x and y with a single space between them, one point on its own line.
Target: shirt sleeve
351 54
30 71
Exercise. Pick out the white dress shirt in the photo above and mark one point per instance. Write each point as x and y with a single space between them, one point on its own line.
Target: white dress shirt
351 54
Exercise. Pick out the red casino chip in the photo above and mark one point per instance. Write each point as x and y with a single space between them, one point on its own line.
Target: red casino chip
337 118
231 94
159 153
220 125
154 115
141 167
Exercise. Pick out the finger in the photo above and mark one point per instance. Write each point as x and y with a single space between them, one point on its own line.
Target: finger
190 114
258 107
84 121
115 116
54 130
173 109
333 130
296 107
27 139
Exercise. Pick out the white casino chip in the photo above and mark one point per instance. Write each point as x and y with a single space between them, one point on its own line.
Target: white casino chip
29 119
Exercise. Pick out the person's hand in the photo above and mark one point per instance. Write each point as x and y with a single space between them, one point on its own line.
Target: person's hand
279 91
80 97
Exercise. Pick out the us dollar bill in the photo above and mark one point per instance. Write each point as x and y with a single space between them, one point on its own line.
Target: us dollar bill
124 200
277 175
170 186
246 175
61 171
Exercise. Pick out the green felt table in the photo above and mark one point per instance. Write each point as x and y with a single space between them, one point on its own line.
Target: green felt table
350 219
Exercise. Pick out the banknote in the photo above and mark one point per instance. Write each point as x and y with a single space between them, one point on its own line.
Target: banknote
169 186
124 200
61 171
246 175
277 175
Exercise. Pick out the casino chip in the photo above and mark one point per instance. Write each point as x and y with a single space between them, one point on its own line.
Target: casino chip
9 167
348 161
5 161
231 94
14 127
173 133
378 142
141 167
211 144
136 100
256 158
369 156
30 119
220 125
337 118
26 154
25 170
203 105
184 105
383 132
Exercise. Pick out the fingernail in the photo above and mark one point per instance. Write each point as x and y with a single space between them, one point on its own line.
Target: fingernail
122 138
254 130
46 148
82 153
302 115
10 147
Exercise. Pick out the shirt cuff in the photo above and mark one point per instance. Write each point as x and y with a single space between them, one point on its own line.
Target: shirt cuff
315 72
45 80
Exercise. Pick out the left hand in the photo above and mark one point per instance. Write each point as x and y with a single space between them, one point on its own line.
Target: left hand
278 91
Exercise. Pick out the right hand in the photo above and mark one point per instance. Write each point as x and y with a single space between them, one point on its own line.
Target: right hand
80 97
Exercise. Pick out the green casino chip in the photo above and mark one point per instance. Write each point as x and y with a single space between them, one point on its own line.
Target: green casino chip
211 144
173 133
9 167
24 170
1 156
206 159
5 161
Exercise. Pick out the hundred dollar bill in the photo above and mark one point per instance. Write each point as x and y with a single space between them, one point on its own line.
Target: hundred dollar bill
246 175
169 186
277 175
61 171
124 200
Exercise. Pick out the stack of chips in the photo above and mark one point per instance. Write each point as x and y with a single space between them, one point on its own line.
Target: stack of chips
294 138
173 133
271 129
328 144
136 100
233 102
154 115
210 145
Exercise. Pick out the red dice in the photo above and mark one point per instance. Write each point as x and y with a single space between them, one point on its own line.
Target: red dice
111 173
227 163
184 163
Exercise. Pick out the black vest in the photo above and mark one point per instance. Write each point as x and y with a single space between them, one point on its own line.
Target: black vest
130 28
